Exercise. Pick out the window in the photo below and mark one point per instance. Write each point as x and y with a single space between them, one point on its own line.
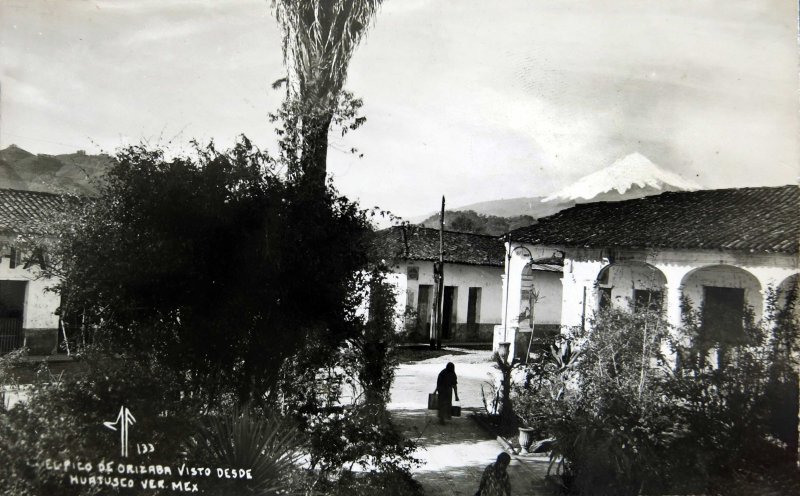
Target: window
604 298
723 315
647 300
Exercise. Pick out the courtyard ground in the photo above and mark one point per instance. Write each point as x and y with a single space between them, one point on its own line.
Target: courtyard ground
454 455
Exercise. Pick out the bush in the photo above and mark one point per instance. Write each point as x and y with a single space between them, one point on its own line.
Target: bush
608 417
214 263
363 436
626 423
340 434
734 411
387 483
63 418
545 382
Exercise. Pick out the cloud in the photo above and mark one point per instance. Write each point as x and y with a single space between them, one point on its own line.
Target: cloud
29 96
473 99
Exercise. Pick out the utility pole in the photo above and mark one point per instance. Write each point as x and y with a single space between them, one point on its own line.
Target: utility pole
438 277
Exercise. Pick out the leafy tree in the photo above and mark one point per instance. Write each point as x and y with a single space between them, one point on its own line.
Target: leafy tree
339 394
462 223
215 264
319 39
473 222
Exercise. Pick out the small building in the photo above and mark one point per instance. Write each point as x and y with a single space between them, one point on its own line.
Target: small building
473 266
723 250
28 311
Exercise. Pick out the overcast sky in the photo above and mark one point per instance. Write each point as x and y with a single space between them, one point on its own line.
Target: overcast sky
472 99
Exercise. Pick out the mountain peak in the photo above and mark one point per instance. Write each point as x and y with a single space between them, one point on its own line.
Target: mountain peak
13 153
633 174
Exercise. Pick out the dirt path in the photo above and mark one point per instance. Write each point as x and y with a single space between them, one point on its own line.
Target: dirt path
454 455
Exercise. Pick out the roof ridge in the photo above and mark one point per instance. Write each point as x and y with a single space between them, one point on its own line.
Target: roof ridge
16 190
756 218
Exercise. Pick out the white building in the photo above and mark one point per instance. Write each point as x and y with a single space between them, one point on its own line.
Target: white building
722 249
27 310
473 266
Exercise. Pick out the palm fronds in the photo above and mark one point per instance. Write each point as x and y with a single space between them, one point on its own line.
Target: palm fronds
268 446
319 38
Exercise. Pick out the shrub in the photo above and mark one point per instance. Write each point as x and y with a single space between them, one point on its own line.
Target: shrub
735 410
608 414
370 483
63 418
213 262
339 434
625 422
544 385
363 436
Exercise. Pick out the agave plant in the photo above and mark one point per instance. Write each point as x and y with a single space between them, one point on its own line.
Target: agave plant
268 446
564 357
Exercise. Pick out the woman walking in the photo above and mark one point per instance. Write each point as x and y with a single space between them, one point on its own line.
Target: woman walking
446 385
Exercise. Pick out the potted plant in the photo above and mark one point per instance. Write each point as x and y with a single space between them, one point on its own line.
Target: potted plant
543 385
527 405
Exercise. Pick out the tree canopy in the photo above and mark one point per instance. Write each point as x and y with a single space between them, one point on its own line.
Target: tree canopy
215 264
473 222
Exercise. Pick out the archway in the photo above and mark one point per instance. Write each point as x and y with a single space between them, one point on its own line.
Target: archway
789 295
723 295
630 285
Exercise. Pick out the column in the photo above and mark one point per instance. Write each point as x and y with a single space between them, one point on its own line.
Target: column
674 275
512 288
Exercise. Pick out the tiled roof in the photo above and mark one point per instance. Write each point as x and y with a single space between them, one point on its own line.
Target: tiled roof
764 219
27 212
422 243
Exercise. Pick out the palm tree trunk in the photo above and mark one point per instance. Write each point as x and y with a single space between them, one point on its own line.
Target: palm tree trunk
313 161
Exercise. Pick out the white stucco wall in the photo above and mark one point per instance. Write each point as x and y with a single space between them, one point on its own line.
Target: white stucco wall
547 309
399 282
681 271
463 277
624 278
724 276
40 305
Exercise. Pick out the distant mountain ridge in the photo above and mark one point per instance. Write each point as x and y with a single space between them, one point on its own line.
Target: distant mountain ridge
508 207
74 172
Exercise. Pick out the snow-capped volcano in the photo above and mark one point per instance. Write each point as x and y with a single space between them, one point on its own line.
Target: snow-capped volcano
629 177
